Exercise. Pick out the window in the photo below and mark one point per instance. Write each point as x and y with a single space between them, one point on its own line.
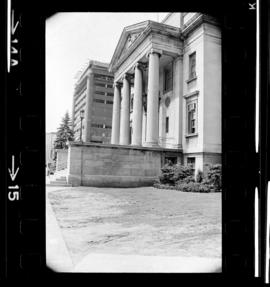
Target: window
167 124
191 162
78 102
99 93
97 126
99 101
191 117
100 77
109 102
192 66
109 86
109 94
78 95
168 79
170 160
100 85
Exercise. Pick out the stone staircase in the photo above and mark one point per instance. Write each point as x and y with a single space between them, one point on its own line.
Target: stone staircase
58 179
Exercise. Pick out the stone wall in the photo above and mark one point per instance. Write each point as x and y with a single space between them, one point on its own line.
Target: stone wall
61 160
101 165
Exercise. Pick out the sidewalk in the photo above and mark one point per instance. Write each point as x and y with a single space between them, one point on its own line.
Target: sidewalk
57 255
147 264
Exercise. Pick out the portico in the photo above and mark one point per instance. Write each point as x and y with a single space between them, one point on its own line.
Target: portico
166 107
143 50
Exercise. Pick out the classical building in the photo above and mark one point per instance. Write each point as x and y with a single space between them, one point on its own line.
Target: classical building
166 104
167 87
94 96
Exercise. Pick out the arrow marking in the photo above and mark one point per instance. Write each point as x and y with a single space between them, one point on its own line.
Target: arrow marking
13 28
12 174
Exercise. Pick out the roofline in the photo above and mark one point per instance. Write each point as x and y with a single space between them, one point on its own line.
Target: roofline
136 24
92 64
124 31
166 17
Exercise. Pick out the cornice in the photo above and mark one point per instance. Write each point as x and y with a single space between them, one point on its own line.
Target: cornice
196 21
193 94
128 147
92 67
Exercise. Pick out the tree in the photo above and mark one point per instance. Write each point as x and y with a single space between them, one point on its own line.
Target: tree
64 133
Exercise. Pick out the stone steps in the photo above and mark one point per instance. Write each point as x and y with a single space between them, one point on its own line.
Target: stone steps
59 179
62 178
59 183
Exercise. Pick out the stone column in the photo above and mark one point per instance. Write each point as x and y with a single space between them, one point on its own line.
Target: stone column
86 135
125 112
137 106
178 88
153 99
116 114
143 127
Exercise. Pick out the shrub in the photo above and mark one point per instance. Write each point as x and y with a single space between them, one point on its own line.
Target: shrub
181 177
167 175
183 173
213 177
199 176
193 187
171 174
205 188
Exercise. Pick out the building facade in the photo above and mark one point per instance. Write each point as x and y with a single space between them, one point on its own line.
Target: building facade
167 87
94 96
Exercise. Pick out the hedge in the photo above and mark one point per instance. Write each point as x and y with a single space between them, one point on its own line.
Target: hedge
171 174
180 177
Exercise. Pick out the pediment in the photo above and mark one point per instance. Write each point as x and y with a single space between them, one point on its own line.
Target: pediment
132 36
127 38
129 41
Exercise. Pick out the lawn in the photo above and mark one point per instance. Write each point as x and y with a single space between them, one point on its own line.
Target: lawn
142 221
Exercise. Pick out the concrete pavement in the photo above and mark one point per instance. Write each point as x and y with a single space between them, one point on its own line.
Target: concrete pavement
57 255
147 264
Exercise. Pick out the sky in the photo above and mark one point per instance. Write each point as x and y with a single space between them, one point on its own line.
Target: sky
71 40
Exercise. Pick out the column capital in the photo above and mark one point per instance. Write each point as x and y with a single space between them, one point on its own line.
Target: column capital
140 65
179 57
127 77
117 84
155 51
